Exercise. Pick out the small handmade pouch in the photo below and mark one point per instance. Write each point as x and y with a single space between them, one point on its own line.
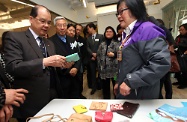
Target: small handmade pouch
129 109
116 107
103 116
80 109
79 118
101 106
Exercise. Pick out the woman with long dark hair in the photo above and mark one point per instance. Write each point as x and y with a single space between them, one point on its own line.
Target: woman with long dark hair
143 57
106 58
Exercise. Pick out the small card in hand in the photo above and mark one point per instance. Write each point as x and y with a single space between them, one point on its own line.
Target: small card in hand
102 106
80 109
129 109
73 57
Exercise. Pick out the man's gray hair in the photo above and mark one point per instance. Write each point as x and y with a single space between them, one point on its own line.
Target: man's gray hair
59 18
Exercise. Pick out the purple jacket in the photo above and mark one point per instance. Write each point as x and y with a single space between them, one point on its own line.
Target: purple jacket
146 59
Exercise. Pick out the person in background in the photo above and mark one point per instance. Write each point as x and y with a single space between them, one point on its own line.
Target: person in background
70 30
119 31
66 45
83 52
166 81
144 56
82 44
93 43
3 73
31 59
181 50
85 32
9 98
106 60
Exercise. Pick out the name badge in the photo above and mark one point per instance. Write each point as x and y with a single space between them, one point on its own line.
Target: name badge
96 40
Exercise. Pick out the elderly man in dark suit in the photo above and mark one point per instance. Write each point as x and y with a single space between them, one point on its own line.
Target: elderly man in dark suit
31 60
93 43
66 45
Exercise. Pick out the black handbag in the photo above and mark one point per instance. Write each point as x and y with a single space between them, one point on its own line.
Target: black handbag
183 62
182 59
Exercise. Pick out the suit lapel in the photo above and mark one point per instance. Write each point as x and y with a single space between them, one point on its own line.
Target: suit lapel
33 43
96 37
91 41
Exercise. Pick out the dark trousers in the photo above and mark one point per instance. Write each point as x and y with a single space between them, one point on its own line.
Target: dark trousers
70 87
89 77
106 87
79 78
181 78
166 81
91 71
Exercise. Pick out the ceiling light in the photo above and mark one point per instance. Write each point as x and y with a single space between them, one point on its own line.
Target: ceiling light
17 1
84 3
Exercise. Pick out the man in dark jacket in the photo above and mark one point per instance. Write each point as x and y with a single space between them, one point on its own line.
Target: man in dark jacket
65 46
31 60
83 52
93 43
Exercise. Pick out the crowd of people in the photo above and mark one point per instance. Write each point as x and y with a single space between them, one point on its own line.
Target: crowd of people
136 60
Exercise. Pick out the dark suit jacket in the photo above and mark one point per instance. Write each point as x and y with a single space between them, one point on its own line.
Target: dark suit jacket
93 45
24 60
68 82
82 49
62 50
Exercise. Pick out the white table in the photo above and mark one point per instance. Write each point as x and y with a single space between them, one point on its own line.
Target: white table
64 108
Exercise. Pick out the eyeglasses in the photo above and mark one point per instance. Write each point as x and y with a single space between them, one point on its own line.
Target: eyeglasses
61 25
43 21
121 12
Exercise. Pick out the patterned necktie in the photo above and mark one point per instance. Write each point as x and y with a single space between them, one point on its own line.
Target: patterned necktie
93 37
42 47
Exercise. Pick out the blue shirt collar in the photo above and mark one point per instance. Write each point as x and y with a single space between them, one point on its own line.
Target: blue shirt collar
62 38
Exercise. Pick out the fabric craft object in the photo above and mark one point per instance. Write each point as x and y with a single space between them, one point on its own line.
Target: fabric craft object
80 109
101 106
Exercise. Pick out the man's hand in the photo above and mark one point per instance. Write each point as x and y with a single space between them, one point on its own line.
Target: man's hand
15 96
116 89
185 52
110 54
55 61
124 89
6 113
93 59
68 64
94 55
73 72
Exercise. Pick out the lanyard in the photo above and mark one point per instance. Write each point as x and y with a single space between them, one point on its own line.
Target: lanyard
123 42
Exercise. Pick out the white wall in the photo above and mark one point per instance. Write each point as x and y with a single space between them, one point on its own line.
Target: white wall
60 7
156 10
88 14
104 20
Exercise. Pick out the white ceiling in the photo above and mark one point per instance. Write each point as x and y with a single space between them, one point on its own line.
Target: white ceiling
99 3
10 11
76 4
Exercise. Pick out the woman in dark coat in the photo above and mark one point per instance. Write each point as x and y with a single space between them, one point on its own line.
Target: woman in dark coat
107 62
